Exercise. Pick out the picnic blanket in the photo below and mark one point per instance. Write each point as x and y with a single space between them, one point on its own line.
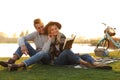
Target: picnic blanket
107 60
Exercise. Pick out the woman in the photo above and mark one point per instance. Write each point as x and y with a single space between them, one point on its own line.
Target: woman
66 57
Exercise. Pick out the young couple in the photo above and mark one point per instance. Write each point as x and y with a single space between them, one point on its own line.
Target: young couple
49 42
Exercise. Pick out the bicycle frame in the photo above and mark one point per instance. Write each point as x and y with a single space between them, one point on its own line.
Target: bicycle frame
114 42
105 41
109 38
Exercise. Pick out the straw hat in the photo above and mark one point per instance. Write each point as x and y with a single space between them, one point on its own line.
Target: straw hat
50 24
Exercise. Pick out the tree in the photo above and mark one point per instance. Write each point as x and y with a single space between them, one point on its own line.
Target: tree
21 34
27 32
2 34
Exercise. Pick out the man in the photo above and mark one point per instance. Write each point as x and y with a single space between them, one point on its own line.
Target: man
38 37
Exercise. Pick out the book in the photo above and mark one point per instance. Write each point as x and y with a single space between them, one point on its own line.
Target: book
68 42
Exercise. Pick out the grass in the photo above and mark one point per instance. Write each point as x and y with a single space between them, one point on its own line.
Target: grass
52 72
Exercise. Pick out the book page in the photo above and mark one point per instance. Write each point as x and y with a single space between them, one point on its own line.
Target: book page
68 42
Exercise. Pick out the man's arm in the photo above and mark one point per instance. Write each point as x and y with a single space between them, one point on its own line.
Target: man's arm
29 37
22 40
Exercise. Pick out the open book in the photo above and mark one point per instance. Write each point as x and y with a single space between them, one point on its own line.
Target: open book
68 42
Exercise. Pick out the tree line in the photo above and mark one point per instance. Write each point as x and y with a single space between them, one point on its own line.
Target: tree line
4 38
14 39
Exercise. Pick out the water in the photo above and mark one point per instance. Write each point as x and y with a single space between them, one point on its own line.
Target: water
7 50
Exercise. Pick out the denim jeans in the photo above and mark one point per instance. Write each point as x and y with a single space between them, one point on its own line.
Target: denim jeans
34 55
67 57
40 56
31 50
88 58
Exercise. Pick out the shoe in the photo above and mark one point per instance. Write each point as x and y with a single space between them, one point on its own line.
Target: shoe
4 64
11 61
104 67
12 67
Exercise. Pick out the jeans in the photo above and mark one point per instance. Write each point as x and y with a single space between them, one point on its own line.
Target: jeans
67 57
31 50
40 56
34 55
88 58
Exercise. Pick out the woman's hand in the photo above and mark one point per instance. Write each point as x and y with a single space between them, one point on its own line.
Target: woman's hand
50 36
24 50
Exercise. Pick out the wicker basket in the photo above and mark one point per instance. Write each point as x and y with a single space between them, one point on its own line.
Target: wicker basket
110 31
101 52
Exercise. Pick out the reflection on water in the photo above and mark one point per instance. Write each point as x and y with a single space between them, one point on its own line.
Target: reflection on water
7 50
83 48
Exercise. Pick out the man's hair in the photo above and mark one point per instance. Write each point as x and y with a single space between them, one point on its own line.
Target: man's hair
37 21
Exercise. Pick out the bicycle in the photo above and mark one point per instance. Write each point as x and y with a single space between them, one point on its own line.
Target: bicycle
104 43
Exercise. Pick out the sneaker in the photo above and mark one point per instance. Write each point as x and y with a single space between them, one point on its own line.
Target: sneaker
4 64
104 67
12 67
77 66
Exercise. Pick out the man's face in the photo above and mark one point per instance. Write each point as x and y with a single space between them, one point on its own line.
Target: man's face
39 28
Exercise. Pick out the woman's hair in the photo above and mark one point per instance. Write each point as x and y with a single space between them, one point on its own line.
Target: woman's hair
51 23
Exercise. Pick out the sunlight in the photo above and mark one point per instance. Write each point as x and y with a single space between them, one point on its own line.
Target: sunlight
83 19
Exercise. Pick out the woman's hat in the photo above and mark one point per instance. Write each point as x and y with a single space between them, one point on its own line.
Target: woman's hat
50 24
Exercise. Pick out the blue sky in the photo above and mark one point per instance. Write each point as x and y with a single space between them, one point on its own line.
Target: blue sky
81 17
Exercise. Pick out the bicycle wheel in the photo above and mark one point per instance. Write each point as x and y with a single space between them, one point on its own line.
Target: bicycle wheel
104 43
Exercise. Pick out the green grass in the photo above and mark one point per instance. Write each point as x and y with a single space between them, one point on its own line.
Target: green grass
52 72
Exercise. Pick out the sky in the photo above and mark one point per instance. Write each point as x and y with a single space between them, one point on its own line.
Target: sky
79 17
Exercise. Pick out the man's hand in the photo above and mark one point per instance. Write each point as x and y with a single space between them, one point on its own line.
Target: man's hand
24 50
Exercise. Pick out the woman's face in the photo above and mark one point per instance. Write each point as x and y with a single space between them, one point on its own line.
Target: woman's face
54 30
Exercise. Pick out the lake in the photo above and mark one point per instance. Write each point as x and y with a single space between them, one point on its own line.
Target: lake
7 50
